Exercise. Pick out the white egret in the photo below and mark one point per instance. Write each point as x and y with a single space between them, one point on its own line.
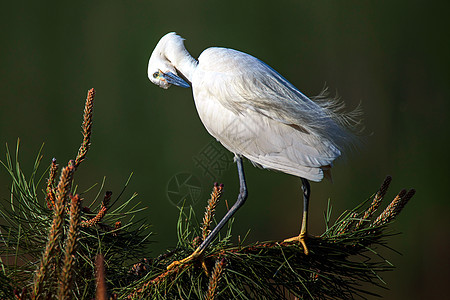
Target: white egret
255 113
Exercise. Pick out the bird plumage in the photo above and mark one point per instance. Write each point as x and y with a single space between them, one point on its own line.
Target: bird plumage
254 111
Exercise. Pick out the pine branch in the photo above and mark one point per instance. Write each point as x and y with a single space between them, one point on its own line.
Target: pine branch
86 127
210 209
343 258
101 213
65 283
376 201
55 231
214 280
50 197
394 208
50 268
100 273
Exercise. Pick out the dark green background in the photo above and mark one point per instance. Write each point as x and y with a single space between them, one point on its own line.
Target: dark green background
392 56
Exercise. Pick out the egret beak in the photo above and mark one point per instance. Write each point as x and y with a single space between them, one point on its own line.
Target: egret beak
176 80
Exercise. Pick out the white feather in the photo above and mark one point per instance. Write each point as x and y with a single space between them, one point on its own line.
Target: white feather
255 112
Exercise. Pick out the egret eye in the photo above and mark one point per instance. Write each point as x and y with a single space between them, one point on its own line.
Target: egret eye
155 75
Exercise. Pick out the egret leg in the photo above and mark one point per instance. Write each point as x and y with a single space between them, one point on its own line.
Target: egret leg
304 230
239 202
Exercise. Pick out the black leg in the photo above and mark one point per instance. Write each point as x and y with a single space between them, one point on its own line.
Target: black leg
239 202
304 229
306 188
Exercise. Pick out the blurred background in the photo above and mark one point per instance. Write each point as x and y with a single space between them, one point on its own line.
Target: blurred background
392 56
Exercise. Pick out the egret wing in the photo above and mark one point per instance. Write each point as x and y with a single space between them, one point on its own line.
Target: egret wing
242 82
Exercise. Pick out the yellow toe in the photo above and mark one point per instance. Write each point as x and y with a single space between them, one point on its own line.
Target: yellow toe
301 239
191 257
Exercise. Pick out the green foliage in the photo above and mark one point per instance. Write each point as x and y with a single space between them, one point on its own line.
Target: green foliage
25 226
43 250
341 260
35 230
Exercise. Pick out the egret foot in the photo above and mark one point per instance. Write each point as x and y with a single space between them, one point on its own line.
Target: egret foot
300 238
188 259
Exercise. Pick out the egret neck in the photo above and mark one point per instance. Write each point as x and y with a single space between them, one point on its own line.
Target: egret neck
176 53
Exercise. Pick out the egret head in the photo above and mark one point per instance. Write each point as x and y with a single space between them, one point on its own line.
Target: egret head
161 70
